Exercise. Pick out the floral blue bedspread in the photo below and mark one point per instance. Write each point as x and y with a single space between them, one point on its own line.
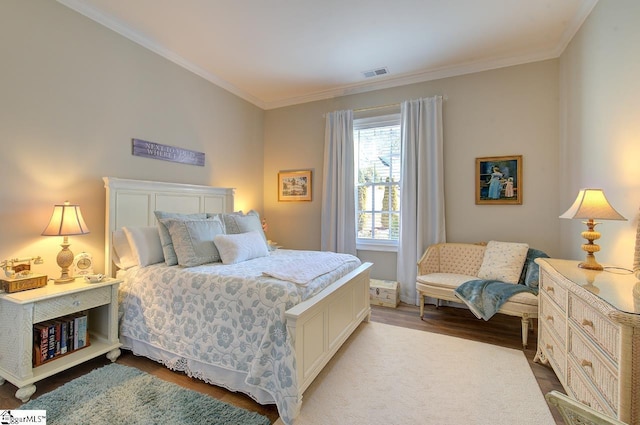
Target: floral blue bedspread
230 316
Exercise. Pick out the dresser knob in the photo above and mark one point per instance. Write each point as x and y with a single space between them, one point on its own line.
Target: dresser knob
589 323
585 403
549 288
550 347
549 318
587 363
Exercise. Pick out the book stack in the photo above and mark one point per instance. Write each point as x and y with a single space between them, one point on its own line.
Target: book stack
60 336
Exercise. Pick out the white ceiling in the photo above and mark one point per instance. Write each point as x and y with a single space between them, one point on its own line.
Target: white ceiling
276 53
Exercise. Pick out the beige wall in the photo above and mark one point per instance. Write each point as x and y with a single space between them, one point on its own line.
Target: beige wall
72 95
600 125
510 111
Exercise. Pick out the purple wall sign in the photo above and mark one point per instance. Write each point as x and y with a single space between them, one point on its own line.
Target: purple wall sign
167 153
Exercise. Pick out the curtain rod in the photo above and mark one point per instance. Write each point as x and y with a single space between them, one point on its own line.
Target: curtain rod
389 105
373 108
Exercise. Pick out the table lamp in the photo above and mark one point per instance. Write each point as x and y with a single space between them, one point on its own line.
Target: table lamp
66 220
591 204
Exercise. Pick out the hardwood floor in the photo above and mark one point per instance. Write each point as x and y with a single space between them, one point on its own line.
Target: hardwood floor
500 330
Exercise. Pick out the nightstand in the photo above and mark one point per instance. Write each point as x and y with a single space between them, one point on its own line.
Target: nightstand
20 311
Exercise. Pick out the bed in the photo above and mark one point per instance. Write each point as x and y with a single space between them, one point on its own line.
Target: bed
268 338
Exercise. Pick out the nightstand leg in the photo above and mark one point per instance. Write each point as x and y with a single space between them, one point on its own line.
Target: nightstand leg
2 381
25 393
113 354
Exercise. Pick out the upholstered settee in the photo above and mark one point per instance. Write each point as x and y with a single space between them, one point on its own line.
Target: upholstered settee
445 267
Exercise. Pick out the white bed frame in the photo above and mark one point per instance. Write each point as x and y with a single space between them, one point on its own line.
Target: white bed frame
319 326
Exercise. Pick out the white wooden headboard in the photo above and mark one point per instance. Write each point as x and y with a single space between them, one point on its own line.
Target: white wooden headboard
132 203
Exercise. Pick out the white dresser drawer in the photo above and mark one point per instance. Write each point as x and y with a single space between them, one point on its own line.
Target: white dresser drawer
598 372
553 350
603 331
555 292
583 391
72 303
550 316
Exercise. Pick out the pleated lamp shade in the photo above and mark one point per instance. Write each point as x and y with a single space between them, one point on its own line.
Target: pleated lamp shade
66 220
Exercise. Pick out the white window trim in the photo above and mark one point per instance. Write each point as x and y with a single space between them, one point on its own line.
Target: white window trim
376 245
379 121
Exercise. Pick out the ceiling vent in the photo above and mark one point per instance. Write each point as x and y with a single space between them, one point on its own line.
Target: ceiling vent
375 72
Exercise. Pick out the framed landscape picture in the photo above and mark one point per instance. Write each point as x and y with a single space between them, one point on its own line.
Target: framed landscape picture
499 180
294 185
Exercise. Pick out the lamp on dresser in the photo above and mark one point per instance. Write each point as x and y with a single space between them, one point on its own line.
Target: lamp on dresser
66 220
591 205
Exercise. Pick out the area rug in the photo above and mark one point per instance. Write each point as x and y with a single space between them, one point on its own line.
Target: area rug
117 394
391 375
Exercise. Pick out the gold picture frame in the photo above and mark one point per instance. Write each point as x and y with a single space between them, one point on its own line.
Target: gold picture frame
499 180
294 186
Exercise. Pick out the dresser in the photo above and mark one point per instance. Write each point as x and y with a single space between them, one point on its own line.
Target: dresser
20 311
589 332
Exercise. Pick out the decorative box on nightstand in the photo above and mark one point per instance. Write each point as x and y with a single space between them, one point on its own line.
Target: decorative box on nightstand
384 292
16 284
20 311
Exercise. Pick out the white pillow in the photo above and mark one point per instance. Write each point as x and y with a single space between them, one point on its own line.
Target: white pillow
123 257
193 240
145 244
503 261
240 247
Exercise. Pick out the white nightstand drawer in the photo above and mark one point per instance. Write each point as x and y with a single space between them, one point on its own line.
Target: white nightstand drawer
71 303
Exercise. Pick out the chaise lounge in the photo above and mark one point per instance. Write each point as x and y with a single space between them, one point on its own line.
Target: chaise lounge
445 267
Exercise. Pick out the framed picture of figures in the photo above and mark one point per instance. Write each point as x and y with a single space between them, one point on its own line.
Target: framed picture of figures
499 180
294 185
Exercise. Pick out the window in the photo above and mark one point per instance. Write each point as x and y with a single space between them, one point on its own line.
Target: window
377 173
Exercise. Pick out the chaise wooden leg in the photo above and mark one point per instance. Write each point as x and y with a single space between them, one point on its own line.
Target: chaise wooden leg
525 329
421 301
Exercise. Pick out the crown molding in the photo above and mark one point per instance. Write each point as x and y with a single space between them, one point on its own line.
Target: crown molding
413 78
349 89
574 26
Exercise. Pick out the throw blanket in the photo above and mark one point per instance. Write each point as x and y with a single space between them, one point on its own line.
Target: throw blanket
485 297
304 271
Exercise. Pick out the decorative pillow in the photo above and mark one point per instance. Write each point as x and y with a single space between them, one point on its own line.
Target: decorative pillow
123 257
237 223
167 244
503 261
531 273
193 240
145 244
221 215
240 247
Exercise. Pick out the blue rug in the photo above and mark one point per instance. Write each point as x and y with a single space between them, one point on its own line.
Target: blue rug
117 394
